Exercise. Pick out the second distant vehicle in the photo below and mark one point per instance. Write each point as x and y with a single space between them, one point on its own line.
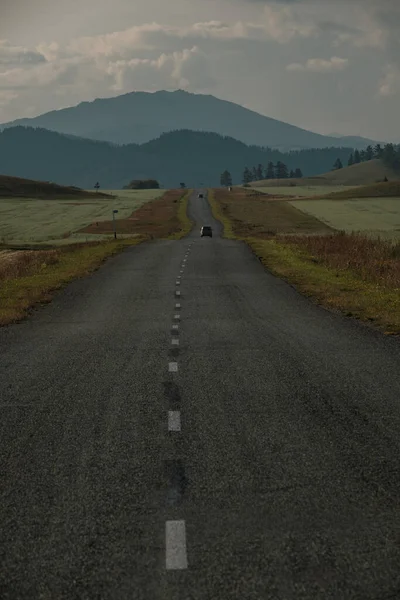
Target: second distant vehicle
206 230
201 196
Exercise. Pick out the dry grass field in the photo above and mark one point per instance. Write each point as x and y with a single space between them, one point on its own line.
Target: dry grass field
352 273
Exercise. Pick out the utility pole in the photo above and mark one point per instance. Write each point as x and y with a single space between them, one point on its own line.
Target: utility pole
114 224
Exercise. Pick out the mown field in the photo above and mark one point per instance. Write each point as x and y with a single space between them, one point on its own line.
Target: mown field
375 217
40 221
302 190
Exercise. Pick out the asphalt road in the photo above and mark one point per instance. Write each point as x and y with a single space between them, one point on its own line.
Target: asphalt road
256 457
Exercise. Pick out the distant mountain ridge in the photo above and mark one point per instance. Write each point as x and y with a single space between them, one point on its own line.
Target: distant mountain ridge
193 157
139 117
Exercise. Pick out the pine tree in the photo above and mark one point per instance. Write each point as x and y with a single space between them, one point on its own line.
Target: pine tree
260 172
369 152
254 174
363 156
390 156
338 164
270 174
247 177
357 158
351 160
378 151
226 179
298 173
281 170
291 174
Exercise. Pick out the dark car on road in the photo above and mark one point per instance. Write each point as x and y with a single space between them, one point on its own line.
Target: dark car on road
206 230
201 196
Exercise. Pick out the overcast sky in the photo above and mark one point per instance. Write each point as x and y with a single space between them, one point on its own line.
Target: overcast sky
325 65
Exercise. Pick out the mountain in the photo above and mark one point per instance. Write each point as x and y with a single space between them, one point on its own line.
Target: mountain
355 141
139 117
189 156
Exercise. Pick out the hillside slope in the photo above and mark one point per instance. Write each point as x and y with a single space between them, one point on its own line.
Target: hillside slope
193 157
389 189
139 117
369 172
16 187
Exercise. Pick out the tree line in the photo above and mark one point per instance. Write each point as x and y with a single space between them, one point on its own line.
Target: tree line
278 171
389 154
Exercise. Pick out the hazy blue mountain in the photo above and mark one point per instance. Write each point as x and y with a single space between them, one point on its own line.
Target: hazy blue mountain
355 141
139 117
189 156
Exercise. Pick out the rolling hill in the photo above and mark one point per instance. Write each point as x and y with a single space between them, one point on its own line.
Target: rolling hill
193 157
139 117
16 187
369 172
389 189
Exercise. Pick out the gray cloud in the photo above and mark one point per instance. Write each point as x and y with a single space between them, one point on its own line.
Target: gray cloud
16 55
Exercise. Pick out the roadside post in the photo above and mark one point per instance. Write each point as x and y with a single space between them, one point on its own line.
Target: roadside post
114 224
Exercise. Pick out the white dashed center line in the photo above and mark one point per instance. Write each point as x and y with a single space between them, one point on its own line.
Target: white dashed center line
174 420
175 342
177 317
177 293
178 282
173 367
175 545
177 305
175 326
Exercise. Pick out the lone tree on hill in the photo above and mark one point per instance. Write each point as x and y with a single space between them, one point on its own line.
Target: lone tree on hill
337 165
96 186
357 158
260 172
226 179
378 151
182 184
254 174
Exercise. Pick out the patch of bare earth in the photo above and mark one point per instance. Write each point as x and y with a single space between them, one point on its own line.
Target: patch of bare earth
259 215
157 218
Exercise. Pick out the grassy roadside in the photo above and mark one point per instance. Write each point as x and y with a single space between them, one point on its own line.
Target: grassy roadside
185 224
220 214
28 278
368 291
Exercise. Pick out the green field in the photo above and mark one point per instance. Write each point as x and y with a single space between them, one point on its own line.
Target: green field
373 216
25 220
303 190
